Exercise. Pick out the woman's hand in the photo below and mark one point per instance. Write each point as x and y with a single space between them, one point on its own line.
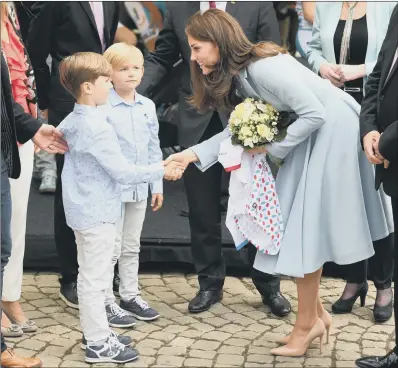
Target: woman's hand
331 72
351 72
256 150
185 157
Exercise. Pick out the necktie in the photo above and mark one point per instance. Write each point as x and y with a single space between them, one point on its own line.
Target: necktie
212 5
98 12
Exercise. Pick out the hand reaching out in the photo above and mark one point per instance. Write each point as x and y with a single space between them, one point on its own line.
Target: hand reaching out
50 139
185 157
173 170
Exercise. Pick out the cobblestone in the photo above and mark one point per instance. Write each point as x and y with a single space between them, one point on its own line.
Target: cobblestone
238 332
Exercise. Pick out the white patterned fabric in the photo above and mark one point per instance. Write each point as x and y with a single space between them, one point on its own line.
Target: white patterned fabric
254 213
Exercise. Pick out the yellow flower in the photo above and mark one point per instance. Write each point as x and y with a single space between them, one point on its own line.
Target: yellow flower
263 130
239 111
246 131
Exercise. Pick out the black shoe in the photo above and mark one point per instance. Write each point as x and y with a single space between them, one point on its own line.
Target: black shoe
345 305
388 361
383 313
116 283
68 293
279 305
204 300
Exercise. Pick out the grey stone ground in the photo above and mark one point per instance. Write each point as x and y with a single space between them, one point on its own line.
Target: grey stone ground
239 332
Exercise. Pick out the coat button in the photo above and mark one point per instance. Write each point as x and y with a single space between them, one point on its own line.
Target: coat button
381 97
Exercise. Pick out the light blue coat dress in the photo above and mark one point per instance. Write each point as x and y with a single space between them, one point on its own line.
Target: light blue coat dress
330 208
327 16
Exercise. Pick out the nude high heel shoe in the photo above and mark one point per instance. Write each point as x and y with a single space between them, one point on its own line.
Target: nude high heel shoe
317 331
327 320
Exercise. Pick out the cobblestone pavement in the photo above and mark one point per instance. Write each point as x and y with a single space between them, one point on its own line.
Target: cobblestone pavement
239 332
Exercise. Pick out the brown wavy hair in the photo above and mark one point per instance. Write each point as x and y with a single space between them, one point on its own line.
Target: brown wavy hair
215 90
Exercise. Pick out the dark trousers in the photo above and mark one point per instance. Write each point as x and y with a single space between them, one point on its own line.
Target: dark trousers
204 191
64 235
6 243
380 266
395 211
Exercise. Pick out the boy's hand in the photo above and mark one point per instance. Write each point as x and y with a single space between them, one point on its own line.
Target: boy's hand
157 201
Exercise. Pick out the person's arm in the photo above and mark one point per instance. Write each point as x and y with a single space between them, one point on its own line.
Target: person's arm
106 150
41 28
315 54
268 28
388 143
282 83
154 152
309 10
166 54
44 136
367 119
26 126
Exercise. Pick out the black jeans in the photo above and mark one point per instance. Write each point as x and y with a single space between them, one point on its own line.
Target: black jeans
204 191
64 236
6 243
380 266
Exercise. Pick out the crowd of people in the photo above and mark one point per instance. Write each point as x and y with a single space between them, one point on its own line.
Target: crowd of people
90 69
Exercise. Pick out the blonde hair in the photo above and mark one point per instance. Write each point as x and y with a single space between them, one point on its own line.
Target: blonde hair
121 52
82 67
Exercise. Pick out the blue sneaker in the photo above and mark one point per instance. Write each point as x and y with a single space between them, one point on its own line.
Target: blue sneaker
111 351
124 340
140 309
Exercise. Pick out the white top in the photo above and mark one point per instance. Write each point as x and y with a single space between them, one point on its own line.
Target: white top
204 5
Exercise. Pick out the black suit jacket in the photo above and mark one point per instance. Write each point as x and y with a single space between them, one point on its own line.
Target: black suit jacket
15 124
61 29
379 107
258 20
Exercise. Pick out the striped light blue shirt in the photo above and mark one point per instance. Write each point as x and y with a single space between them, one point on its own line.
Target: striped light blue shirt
95 169
137 129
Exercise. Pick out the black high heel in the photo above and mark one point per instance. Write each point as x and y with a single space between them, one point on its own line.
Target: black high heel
383 313
346 305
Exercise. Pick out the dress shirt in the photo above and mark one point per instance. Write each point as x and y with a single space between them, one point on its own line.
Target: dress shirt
137 128
95 168
205 5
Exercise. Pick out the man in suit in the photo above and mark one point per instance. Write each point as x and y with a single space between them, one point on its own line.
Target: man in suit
203 189
379 133
61 29
16 125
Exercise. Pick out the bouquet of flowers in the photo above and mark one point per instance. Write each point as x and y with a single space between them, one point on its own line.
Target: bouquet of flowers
254 123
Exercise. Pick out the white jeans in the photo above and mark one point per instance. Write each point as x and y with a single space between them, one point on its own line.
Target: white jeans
127 250
94 254
20 189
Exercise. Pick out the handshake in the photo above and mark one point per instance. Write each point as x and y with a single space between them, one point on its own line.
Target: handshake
176 164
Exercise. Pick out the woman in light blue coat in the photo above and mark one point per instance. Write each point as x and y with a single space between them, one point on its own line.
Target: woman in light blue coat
325 186
346 40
